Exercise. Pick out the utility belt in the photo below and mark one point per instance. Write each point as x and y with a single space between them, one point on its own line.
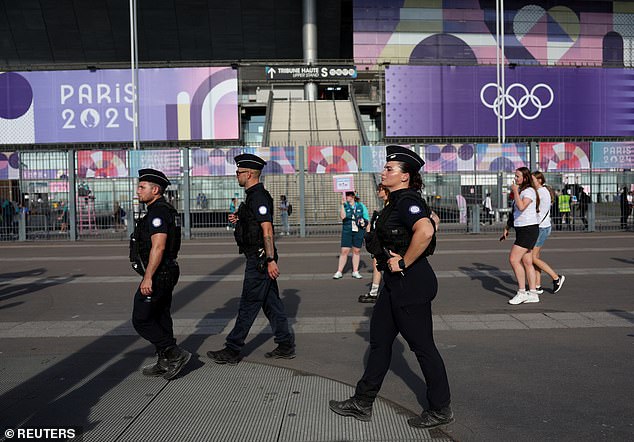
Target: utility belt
167 266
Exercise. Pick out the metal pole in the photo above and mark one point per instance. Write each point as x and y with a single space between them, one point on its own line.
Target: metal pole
502 58
309 39
134 62
187 232
497 68
302 193
72 196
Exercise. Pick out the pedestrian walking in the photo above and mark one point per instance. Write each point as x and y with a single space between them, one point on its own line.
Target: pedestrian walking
526 224
370 297
154 247
255 238
284 214
545 202
405 233
355 219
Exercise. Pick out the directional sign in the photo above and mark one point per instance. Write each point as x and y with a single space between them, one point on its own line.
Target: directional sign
301 72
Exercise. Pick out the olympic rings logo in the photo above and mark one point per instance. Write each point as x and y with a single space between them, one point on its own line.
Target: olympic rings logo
517 105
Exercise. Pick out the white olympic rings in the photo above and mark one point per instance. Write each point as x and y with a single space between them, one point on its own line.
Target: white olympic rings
515 104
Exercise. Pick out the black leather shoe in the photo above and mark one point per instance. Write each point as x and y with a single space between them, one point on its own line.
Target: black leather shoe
281 352
367 298
432 418
176 360
353 407
159 368
225 356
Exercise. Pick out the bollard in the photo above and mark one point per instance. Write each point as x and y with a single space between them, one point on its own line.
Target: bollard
22 227
130 222
591 218
475 218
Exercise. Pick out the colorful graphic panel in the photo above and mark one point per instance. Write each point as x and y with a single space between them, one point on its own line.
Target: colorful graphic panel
216 162
501 157
372 158
84 106
617 155
167 161
279 160
332 159
102 164
449 157
38 165
9 165
564 156
537 32
462 101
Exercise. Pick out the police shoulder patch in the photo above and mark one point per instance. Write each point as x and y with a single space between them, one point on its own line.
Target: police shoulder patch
157 222
414 209
263 210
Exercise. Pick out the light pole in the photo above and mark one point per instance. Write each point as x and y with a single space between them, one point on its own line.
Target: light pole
134 64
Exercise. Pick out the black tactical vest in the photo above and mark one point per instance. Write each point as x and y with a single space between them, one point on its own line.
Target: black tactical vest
141 241
248 232
395 236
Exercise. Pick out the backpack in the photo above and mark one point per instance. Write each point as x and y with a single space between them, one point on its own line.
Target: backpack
289 209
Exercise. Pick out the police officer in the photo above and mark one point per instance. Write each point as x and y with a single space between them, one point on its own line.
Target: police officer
154 247
254 236
406 235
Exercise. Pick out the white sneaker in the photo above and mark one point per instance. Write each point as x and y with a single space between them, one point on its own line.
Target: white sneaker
337 275
357 275
539 290
519 298
533 296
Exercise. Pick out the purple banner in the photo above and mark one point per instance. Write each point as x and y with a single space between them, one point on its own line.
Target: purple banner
461 101
84 106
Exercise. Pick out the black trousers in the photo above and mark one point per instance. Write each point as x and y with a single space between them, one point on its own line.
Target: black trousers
394 313
151 316
259 292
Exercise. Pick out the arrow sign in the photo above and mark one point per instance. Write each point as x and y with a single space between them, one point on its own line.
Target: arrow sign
270 72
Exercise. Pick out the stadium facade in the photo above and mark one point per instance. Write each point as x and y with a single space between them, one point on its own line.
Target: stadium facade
317 87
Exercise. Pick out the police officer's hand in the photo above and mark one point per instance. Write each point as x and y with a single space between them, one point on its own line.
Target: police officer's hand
233 218
273 270
146 287
392 263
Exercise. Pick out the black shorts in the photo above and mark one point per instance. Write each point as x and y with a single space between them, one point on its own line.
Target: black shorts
526 236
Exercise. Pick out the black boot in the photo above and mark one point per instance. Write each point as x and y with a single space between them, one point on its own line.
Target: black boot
159 368
176 360
367 298
353 407
432 418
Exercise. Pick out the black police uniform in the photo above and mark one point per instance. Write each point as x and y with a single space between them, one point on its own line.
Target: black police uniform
403 306
151 316
258 290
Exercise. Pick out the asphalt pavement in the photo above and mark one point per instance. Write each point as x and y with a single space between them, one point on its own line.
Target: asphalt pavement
557 370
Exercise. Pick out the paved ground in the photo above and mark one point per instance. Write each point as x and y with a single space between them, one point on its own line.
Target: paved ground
557 370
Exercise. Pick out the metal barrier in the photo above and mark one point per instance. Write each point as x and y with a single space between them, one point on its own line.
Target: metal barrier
45 201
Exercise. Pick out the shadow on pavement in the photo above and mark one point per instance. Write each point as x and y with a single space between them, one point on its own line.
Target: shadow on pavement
491 278
64 393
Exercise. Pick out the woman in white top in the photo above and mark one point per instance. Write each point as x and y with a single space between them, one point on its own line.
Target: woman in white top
545 200
526 225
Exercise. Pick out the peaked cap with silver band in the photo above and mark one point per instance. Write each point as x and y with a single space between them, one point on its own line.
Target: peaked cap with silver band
250 161
403 154
154 176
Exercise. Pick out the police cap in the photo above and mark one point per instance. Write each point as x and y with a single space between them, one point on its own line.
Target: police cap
154 176
250 161
405 155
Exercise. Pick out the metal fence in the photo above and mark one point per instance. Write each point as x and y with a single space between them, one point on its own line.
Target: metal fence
42 200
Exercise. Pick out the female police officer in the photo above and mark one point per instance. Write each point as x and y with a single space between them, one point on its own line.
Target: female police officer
404 234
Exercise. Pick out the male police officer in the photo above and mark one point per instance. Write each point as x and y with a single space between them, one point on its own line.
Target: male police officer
154 246
254 235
